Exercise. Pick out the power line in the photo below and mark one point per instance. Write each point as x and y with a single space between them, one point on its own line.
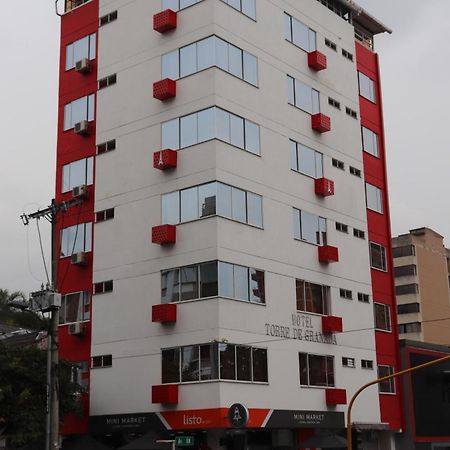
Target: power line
42 251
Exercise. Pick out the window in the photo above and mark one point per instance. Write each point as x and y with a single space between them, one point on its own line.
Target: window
348 362
247 7
106 147
106 214
76 239
377 257
215 361
302 96
107 81
306 160
209 200
84 48
355 171
365 298
413 327
104 20
299 34
366 364
366 87
347 55
103 287
334 103
316 370
408 308
341 227
370 142
359 233
388 386
406 250
101 361
351 112
345 293
213 279
336 163
77 173
330 44
176 5
211 123
210 52
79 110
406 289
382 315
75 307
374 198
404 271
309 227
80 375
311 297
72 4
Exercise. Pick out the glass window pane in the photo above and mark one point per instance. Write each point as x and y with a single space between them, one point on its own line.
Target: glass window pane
303 96
312 40
188 127
171 365
77 173
310 227
170 134
170 206
319 165
170 286
189 282
89 171
249 8
260 371
252 141
68 117
297 229
190 363
221 54
293 150
69 57
170 65
189 204
238 205
226 287
315 101
206 53
222 125
206 125
170 4
322 231
374 198
74 307
81 49
236 4
237 131
250 69
208 280
300 34
224 200
254 209
86 305
291 90
287 27
241 282
209 362
317 370
79 110
370 141
307 161
330 371
66 178
92 46
366 87
87 237
303 368
227 362
188 60
244 363
235 60
257 286
91 108
207 194
300 295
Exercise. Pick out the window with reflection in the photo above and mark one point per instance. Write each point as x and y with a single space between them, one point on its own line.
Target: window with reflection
84 48
209 200
79 110
177 5
316 370
382 315
211 123
75 307
171 365
309 227
246 7
366 87
77 173
370 142
299 34
306 160
374 198
303 96
76 239
387 386
311 297
378 256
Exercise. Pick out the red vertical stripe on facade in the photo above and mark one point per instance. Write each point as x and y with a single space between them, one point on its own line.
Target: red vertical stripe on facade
380 232
76 24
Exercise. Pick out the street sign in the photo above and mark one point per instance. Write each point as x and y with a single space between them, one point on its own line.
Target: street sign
184 441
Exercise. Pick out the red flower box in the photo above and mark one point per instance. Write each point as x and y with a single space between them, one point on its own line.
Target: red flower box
320 123
317 61
328 253
332 324
336 397
164 313
165 89
165 21
165 159
165 393
324 187
164 234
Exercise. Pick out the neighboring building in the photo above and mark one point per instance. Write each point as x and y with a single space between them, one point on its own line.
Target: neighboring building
426 395
259 166
422 273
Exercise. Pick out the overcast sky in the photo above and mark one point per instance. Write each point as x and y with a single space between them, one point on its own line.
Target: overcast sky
416 92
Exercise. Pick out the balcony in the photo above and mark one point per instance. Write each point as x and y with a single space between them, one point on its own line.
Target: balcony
165 21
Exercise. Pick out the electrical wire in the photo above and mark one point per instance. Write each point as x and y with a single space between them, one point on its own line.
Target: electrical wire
28 258
42 250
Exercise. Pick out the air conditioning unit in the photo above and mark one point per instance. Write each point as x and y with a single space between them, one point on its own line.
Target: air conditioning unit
76 329
83 66
78 259
81 128
80 191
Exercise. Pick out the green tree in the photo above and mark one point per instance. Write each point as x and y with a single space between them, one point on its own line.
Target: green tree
23 393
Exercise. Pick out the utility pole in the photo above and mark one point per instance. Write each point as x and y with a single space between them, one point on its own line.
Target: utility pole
48 300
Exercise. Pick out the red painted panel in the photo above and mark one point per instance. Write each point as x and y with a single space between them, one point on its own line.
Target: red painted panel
320 123
336 396
332 324
324 187
317 61
164 234
164 313
328 253
165 159
165 21
166 394
165 89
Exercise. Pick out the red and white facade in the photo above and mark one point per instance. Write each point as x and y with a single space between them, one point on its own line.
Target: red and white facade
232 241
